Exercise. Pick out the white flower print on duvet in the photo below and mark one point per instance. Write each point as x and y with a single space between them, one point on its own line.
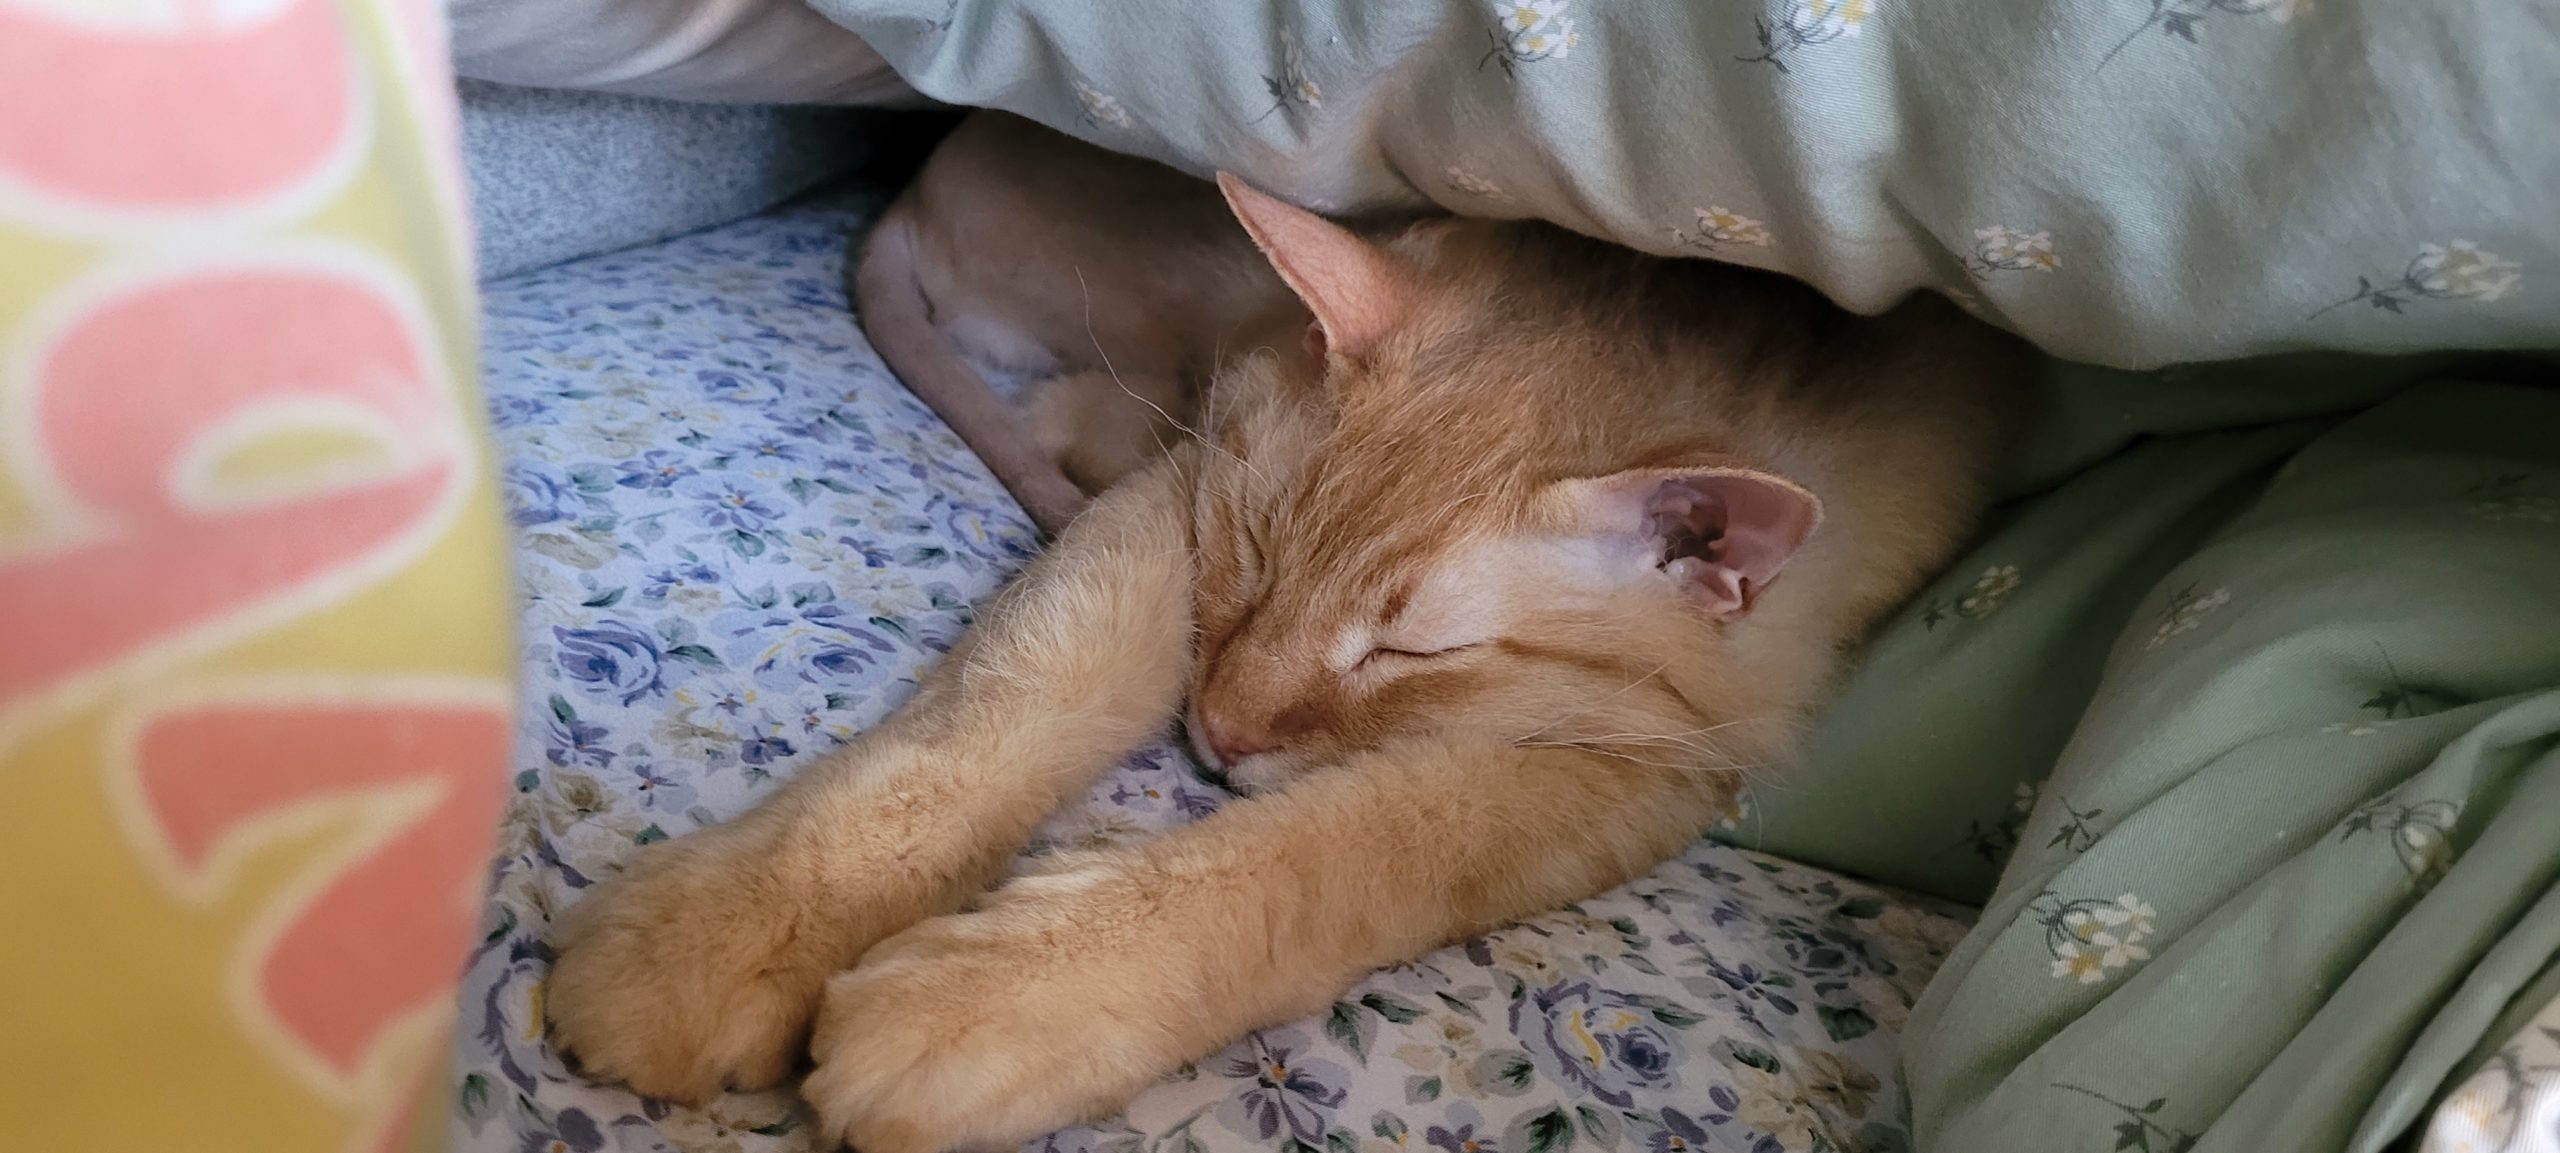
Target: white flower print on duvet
1999 248
2179 18
2509 497
2512 1105
1101 107
1802 24
2090 937
2459 270
1291 86
1528 32
1467 182
2186 610
1719 226
1984 597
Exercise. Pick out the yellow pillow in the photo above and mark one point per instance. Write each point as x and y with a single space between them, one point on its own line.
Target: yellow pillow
254 623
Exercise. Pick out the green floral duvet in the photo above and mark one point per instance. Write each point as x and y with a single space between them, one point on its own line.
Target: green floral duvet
2284 817
2127 182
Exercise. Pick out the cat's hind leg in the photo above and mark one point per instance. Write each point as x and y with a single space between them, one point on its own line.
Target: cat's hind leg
1101 426
699 968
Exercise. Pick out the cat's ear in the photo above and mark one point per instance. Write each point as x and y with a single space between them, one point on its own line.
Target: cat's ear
1356 292
1719 534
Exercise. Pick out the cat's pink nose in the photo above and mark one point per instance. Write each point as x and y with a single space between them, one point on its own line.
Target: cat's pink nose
1230 744
1230 741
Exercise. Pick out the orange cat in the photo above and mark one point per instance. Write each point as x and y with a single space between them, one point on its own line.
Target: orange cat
1498 555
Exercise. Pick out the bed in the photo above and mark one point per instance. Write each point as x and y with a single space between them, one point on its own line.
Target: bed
2184 772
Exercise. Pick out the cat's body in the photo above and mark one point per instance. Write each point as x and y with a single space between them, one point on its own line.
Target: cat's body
1475 581
1118 282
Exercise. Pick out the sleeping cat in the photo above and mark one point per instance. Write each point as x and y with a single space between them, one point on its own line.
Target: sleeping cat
1488 558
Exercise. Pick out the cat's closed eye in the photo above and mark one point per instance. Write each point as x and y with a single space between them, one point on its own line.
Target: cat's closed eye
1391 653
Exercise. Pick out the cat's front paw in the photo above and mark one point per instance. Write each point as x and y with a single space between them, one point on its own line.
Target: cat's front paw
1056 1003
695 971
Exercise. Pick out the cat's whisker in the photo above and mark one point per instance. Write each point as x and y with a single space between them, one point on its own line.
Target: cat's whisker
1588 709
1197 435
1677 740
1650 739
1113 371
1680 736
1707 757
1745 770
1613 754
1645 761
1759 777
1161 448
1693 740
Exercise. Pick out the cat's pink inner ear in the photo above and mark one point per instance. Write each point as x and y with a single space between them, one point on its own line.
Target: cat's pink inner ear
1356 292
1722 534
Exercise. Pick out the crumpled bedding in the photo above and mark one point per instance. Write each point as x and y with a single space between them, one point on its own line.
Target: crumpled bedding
738 538
2124 183
2295 859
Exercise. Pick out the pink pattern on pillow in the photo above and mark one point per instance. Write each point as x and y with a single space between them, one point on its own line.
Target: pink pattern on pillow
206 109
353 952
137 401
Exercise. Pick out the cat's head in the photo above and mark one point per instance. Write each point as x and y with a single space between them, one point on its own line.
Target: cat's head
1454 504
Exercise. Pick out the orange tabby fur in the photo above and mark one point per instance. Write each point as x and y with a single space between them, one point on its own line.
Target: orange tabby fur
1399 580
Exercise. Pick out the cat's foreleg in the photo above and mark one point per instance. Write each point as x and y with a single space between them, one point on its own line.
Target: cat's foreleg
1069 992
699 967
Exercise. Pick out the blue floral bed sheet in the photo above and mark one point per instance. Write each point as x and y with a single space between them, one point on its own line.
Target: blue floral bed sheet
739 539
